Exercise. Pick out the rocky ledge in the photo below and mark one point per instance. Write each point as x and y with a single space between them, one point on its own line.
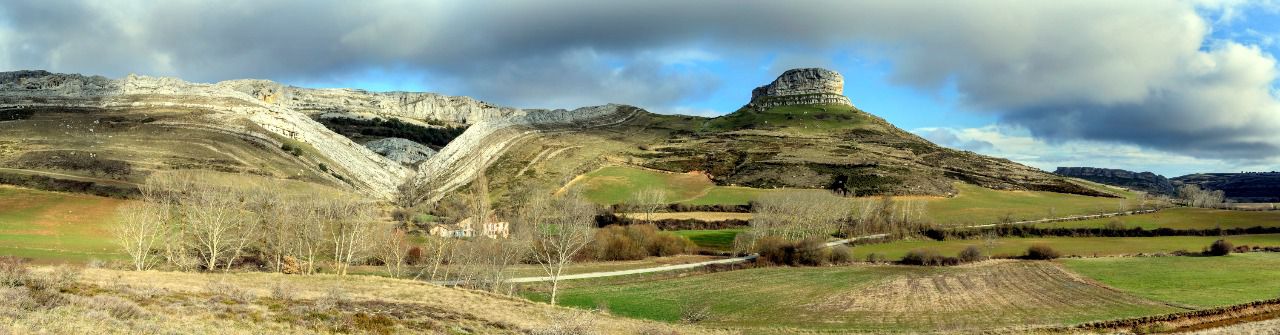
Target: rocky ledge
811 86
401 150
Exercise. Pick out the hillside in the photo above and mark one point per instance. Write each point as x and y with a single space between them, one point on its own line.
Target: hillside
812 138
99 301
98 135
1240 187
1141 181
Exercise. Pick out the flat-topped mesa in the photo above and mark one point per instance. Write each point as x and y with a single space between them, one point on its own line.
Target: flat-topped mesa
811 86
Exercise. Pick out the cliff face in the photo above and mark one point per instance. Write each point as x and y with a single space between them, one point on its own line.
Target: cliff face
247 106
809 86
1143 181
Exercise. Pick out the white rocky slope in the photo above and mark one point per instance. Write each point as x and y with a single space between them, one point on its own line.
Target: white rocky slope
285 111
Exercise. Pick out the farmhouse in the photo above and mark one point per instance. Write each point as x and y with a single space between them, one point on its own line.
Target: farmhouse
491 228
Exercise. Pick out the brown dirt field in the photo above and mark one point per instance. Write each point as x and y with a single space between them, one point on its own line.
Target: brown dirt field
993 292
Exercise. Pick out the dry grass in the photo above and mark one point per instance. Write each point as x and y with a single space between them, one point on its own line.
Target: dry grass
109 302
1270 327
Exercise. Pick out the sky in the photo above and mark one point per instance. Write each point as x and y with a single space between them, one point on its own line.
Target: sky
1173 87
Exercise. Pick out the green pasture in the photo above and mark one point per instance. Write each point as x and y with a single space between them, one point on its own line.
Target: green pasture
1185 218
1194 281
717 239
51 227
1079 246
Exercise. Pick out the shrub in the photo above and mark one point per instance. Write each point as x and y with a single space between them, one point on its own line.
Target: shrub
1042 252
928 257
841 254
228 292
776 250
632 242
695 312
414 256
119 308
1219 248
13 272
971 254
876 257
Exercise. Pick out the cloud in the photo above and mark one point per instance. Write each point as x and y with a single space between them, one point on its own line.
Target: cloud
1144 73
1016 143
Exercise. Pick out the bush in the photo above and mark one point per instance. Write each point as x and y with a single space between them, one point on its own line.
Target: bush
291 149
13 271
1042 252
971 254
1219 248
633 242
928 257
119 308
807 252
876 257
841 254
695 312
414 256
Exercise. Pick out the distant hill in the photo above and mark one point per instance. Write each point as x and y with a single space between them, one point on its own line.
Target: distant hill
799 131
1142 181
1240 187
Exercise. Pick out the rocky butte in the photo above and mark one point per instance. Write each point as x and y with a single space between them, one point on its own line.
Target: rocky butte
810 86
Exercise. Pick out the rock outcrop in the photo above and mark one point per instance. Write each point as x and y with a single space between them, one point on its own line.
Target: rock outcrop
1142 181
811 86
288 112
401 150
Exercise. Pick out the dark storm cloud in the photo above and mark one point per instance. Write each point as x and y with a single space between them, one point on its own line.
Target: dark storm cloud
1126 71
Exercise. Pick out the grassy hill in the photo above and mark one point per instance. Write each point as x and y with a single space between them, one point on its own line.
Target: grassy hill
805 146
107 151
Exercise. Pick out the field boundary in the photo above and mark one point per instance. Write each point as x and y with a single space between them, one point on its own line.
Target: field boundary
1193 320
1067 218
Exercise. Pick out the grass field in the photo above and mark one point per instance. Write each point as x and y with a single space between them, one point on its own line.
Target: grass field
1186 218
977 205
1195 281
973 204
1081 246
719 239
799 119
55 227
873 298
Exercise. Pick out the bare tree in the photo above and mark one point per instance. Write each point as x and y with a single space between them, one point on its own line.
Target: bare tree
799 214
438 251
1194 196
560 229
308 235
647 202
143 227
393 248
350 226
215 221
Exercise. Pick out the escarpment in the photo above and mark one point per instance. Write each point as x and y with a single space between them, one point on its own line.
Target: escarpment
811 86
254 106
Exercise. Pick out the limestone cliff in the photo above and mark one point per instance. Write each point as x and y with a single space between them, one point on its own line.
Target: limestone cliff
288 112
1142 181
809 86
